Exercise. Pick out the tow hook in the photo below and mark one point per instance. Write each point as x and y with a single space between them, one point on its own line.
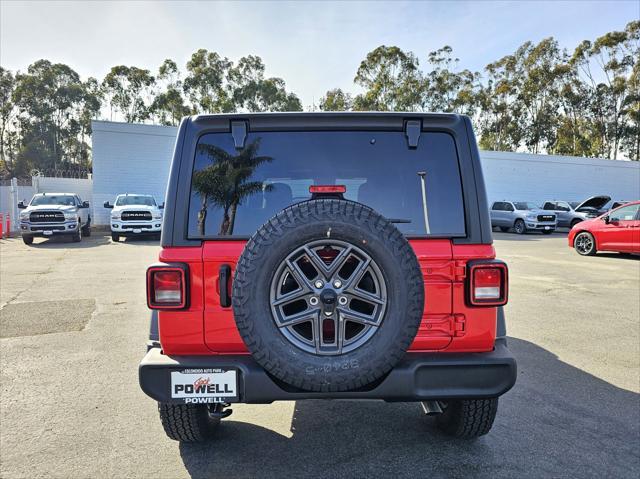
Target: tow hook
431 408
218 411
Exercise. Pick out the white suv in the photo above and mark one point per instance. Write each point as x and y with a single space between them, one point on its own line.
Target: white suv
135 215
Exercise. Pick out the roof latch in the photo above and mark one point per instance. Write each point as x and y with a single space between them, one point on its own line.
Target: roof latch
239 133
412 130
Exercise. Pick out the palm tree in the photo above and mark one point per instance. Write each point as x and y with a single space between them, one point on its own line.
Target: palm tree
226 182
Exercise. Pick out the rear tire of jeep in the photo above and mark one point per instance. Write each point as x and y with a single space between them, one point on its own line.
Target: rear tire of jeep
468 418
86 231
187 422
115 238
28 240
519 227
361 231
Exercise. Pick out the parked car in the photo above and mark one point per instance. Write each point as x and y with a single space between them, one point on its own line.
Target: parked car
54 214
618 230
309 281
522 216
135 215
566 215
612 206
593 206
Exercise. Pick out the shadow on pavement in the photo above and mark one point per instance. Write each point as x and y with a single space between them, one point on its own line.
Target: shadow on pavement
64 241
627 256
535 236
557 421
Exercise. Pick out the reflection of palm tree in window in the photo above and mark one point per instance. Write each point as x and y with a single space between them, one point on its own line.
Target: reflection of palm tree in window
226 182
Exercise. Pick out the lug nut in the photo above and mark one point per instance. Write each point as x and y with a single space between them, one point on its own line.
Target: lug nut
337 283
313 301
342 300
319 284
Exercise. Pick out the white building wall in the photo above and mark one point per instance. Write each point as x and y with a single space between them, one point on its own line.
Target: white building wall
132 158
129 158
526 177
46 184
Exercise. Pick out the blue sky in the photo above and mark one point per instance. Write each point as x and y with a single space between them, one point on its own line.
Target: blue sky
314 46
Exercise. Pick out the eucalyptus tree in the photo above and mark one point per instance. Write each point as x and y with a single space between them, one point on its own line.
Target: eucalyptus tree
7 117
336 100
128 91
54 111
446 89
251 91
606 67
168 105
392 81
206 83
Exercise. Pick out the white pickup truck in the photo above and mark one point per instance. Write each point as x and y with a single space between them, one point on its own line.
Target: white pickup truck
49 214
135 215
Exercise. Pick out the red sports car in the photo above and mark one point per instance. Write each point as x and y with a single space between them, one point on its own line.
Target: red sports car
617 230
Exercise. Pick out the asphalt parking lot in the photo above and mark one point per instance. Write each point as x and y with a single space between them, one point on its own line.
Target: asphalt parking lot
73 325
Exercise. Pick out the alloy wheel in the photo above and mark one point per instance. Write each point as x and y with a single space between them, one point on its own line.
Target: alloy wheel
328 297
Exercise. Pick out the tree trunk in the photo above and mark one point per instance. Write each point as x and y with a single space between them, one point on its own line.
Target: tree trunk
202 216
232 217
224 226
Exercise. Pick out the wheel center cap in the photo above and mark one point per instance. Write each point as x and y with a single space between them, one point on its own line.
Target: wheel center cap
328 297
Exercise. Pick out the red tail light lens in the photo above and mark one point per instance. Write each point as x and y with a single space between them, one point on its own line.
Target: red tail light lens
327 189
488 285
166 287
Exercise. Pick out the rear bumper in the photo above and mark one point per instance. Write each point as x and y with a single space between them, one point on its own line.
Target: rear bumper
418 377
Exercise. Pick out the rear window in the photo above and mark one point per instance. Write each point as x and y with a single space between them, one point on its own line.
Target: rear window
233 191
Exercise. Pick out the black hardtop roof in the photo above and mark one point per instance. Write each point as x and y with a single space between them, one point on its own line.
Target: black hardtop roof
329 120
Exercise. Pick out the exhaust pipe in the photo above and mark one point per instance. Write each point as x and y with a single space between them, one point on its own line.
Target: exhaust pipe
431 408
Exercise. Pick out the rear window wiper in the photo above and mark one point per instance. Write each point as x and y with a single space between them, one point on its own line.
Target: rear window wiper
399 220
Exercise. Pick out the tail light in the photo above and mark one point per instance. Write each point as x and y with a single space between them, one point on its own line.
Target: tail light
320 189
488 283
167 286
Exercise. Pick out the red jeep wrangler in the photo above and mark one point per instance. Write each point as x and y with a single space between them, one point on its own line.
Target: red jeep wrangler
326 255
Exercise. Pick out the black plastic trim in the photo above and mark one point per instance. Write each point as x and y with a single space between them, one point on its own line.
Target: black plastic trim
154 332
418 377
224 274
501 325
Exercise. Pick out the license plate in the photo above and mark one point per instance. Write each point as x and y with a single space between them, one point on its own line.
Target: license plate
204 385
137 230
547 227
47 232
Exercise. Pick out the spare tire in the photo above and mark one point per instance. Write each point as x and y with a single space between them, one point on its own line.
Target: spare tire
328 295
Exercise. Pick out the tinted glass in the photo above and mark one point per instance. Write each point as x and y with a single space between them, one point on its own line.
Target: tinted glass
66 200
135 200
497 206
525 205
549 206
235 191
626 213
